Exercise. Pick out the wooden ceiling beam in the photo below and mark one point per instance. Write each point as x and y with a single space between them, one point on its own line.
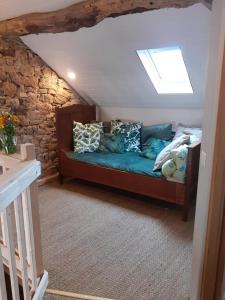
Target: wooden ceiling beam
83 14
207 3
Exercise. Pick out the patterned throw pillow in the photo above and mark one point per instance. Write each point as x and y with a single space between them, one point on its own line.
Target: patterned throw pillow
169 168
132 132
106 125
175 168
164 155
152 147
179 156
112 143
86 137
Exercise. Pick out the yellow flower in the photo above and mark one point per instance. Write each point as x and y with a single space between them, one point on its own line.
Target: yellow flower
14 119
5 117
2 122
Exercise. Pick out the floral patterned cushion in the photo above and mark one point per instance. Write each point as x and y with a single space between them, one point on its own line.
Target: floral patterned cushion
86 137
175 168
169 168
152 147
179 156
165 154
132 132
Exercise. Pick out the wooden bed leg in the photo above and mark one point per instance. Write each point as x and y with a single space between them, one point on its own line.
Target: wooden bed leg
61 179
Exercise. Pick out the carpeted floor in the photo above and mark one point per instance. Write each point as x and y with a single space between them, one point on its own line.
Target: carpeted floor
51 297
103 243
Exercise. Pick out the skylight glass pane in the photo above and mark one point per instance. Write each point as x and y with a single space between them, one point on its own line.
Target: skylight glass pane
167 70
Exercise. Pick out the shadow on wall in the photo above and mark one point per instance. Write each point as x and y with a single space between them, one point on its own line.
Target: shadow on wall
153 116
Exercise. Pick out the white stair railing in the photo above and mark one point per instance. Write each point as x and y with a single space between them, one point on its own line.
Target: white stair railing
20 243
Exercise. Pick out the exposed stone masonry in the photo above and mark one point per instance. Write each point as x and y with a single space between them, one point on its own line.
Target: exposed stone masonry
33 90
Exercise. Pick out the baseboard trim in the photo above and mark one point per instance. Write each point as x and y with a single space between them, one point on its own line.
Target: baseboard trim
47 179
73 295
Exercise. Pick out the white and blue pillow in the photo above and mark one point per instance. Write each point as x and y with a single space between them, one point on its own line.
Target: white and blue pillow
86 137
132 132
165 154
175 167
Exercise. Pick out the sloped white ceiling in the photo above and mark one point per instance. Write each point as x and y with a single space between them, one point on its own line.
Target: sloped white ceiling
104 57
13 8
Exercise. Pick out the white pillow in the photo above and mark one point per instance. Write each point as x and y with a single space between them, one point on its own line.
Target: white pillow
195 133
164 155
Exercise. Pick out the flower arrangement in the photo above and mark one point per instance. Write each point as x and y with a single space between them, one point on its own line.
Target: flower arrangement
8 122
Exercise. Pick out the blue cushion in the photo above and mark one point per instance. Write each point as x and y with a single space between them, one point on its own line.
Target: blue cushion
112 143
152 147
160 131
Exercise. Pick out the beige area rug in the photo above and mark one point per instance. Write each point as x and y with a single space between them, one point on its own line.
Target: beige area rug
103 243
51 297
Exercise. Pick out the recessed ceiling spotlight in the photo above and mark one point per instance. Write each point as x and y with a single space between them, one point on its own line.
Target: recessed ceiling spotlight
71 75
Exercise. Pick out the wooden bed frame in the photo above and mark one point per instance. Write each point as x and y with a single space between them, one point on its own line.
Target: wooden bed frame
159 188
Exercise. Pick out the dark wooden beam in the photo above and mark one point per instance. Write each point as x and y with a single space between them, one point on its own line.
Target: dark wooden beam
83 14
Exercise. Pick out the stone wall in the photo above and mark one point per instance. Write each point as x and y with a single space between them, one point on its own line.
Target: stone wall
33 90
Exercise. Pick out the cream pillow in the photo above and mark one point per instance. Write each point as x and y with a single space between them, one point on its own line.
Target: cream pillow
165 154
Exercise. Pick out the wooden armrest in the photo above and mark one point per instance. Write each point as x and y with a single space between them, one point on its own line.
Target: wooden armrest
194 145
192 167
63 150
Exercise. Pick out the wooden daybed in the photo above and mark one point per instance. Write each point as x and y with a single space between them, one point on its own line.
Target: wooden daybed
159 188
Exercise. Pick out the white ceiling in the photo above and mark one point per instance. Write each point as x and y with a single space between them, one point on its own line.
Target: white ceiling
104 57
13 8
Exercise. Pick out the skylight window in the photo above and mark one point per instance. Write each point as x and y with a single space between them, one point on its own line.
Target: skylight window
167 70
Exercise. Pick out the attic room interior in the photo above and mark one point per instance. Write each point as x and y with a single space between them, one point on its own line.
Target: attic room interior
112 159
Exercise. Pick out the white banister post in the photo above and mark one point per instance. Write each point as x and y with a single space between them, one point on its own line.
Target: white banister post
4 169
28 222
20 229
28 153
18 189
3 294
11 252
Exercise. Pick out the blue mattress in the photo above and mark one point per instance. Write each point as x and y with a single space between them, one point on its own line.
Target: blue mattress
129 161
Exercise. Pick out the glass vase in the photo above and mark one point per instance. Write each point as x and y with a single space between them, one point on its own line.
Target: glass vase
8 143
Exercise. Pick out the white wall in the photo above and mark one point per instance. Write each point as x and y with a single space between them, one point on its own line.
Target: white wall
153 116
209 129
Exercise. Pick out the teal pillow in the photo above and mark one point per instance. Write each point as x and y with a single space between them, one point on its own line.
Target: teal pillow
112 143
152 147
160 131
